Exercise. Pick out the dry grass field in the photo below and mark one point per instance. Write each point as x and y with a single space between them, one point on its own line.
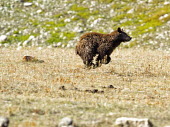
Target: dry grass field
38 94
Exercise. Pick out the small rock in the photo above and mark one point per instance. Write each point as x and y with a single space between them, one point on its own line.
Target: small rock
130 11
19 47
39 48
25 43
126 90
150 1
67 20
166 3
4 122
3 38
133 122
62 88
31 38
59 44
66 122
111 86
6 45
50 46
27 4
164 16
95 91
39 11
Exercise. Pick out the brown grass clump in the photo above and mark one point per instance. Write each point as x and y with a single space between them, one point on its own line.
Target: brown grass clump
134 84
31 59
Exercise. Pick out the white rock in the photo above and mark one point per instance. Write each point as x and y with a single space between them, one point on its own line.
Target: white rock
50 46
66 122
31 37
9 33
150 1
133 122
19 48
97 21
93 3
166 3
25 43
6 45
67 20
111 114
131 11
26 4
164 16
77 29
59 44
4 122
39 11
3 38
68 45
39 48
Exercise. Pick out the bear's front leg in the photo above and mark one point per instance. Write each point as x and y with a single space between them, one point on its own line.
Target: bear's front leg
104 51
106 59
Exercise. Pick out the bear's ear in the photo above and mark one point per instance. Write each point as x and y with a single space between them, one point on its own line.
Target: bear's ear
119 30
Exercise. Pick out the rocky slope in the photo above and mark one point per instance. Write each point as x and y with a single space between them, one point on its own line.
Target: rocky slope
61 23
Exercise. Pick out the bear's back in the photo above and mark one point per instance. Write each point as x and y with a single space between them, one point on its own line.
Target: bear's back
91 35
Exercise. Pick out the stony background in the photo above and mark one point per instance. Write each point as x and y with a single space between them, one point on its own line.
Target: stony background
55 23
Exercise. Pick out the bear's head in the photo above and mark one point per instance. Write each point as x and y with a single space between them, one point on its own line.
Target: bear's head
123 37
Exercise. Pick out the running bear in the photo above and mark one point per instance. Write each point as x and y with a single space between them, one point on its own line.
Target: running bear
100 45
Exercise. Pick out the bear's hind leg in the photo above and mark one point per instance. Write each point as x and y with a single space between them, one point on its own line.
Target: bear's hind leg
88 61
98 61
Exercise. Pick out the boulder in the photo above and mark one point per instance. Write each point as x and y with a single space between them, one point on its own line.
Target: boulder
3 38
27 4
66 122
133 122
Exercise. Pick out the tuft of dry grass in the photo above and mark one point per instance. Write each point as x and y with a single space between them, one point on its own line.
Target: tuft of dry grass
135 84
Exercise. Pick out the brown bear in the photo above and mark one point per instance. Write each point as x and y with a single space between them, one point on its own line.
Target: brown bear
102 45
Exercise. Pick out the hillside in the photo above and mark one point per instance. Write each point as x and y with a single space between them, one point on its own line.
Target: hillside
61 23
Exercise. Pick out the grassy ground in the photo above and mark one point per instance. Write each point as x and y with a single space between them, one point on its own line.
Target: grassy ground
134 84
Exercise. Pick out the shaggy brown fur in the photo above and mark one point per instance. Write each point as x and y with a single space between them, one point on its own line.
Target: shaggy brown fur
92 44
